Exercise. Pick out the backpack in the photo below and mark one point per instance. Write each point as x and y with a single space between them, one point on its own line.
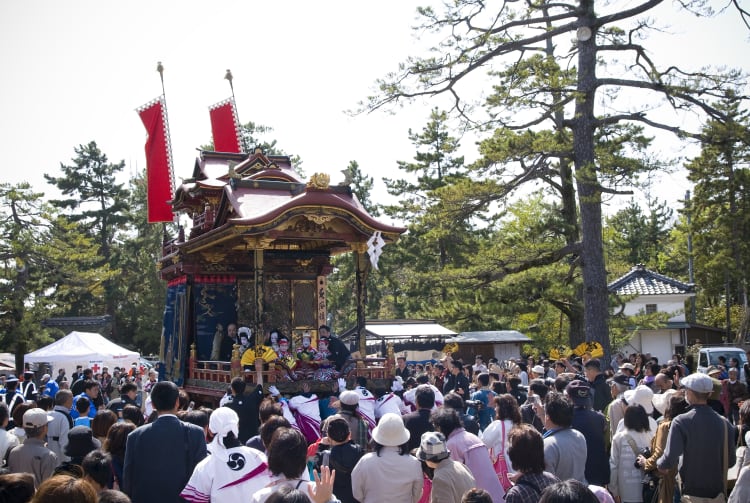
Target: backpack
67 415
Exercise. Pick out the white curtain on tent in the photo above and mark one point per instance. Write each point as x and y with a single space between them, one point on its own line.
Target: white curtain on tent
87 349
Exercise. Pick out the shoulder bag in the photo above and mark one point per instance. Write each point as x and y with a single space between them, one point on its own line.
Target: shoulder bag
651 480
500 463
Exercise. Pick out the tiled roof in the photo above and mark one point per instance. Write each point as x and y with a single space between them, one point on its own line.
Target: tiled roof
490 336
642 281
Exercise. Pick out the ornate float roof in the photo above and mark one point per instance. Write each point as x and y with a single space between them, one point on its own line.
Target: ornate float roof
257 200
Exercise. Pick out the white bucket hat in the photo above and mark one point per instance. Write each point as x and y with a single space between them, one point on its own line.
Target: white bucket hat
661 400
391 431
641 395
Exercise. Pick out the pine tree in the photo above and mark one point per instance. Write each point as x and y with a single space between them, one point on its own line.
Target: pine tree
98 203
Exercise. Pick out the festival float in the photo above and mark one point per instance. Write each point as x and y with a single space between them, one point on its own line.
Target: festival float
254 258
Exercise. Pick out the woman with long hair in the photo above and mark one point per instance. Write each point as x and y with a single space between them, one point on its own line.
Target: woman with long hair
101 423
625 477
114 444
672 406
495 437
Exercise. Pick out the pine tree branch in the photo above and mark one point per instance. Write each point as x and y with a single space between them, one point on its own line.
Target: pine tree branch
627 14
552 257
671 94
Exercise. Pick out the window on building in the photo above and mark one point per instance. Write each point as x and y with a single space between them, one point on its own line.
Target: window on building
650 308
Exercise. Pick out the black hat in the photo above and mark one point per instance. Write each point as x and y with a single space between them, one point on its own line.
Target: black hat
11 378
619 378
81 441
579 392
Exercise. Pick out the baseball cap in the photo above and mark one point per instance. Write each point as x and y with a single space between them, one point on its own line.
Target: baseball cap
619 378
628 366
36 418
432 447
579 392
700 383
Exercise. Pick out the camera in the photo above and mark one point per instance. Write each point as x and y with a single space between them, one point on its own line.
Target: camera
475 404
645 452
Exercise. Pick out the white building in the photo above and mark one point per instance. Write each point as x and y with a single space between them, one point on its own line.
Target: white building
645 291
501 344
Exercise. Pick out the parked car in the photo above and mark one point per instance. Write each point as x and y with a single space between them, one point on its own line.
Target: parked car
708 356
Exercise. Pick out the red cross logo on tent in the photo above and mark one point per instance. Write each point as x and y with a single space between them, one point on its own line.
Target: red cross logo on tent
95 367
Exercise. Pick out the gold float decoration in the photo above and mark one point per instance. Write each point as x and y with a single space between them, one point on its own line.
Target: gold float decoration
319 219
319 181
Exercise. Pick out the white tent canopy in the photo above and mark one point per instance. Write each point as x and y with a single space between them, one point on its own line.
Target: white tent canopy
88 349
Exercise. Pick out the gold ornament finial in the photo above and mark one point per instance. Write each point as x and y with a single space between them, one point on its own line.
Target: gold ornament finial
319 181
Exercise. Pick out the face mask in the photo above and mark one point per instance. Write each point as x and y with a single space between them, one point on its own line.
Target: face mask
305 343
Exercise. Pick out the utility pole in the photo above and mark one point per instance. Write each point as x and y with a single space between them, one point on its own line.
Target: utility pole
691 271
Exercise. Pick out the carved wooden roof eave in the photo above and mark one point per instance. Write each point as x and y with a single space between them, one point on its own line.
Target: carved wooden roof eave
193 200
234 228
363 223
316 201
258 161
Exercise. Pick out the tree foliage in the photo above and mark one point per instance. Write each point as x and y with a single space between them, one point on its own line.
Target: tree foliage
342 284
141 293
720 210
637 236
514 44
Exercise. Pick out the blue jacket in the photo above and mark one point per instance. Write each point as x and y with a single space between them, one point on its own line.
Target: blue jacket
92 408
593 426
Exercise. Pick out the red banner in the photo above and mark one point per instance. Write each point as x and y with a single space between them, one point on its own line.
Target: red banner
158 161
225 127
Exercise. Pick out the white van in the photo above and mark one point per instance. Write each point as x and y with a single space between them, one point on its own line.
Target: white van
709 356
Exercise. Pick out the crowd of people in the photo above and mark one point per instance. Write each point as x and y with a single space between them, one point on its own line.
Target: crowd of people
519 431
